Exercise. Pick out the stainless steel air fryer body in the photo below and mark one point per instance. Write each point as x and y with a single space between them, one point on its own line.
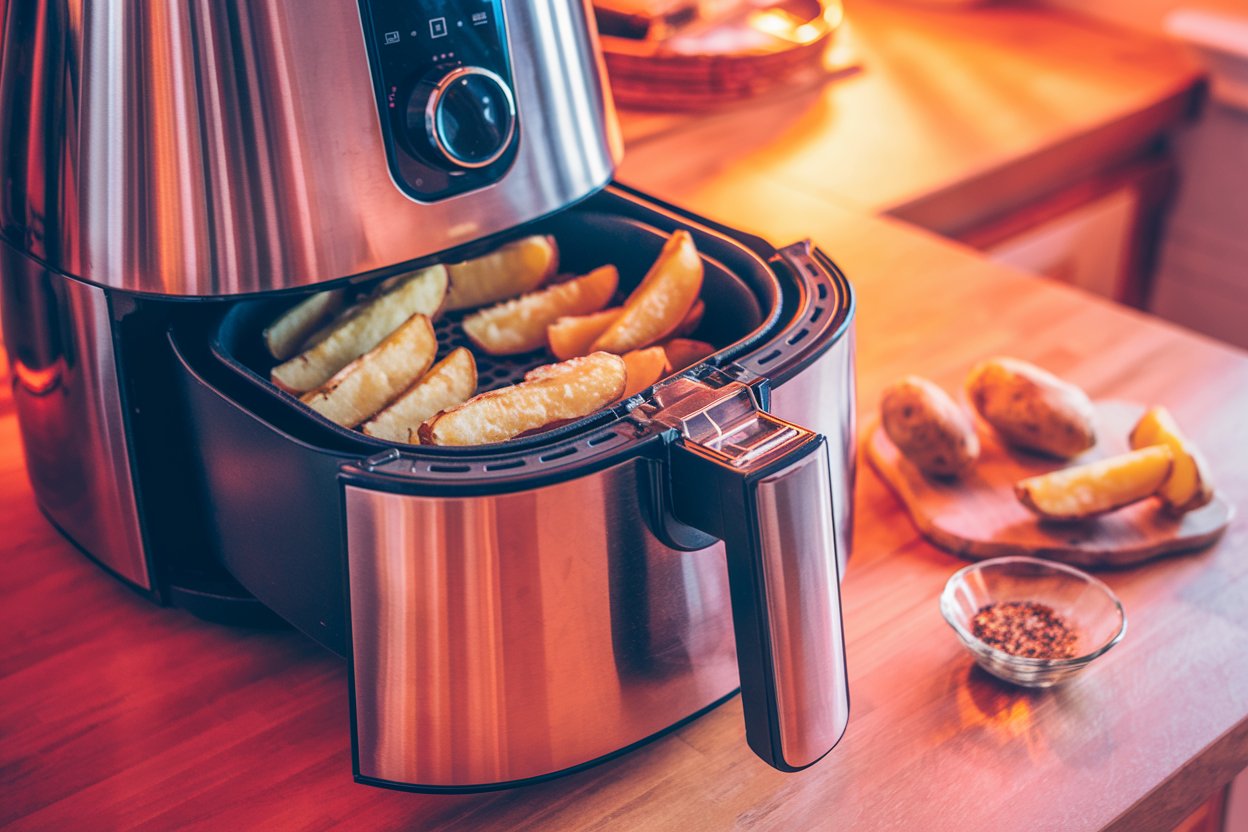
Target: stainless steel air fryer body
508 612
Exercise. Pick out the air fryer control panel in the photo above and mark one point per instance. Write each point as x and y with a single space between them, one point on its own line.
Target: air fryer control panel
444 92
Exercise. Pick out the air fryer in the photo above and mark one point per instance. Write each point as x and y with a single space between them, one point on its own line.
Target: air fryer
178 176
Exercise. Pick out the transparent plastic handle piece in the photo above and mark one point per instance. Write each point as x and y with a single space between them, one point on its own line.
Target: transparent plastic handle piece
763 486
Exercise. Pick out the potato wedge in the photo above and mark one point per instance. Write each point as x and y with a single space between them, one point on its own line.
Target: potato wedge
519 325
284 336
662 300
1189 486
1032 408
514 269
360 303
644 367
451 381
547 396
1084 491
572 335
928 427
377 377
692 319
421 293
685 352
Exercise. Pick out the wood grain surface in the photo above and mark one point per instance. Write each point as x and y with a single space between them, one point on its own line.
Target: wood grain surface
977 516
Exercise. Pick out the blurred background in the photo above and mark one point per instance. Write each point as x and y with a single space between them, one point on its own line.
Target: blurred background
1103 143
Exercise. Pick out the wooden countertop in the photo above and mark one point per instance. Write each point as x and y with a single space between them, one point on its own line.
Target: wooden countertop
119 714
955 117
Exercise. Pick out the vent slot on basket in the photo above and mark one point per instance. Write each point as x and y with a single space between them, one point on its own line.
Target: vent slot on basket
505 466
437 468
769 357
559 454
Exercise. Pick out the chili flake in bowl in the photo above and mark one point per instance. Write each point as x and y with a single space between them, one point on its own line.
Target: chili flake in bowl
1032 622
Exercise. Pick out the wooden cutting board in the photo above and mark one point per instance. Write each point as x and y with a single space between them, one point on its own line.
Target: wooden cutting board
978 516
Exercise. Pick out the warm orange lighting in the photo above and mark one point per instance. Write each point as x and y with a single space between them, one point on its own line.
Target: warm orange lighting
40 381
781 23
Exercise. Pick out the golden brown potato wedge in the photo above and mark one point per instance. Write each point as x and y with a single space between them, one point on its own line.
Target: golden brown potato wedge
1189 486
1084 491
373 380
644 367
512 270
284 336
451 381
685 352
928 427
519 325
692 319
662 300
1032 408
360 304
420 293
548 396
572 335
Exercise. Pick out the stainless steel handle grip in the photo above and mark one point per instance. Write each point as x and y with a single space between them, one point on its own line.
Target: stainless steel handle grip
763 486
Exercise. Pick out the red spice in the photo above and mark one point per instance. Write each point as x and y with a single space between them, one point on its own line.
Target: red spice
1025 628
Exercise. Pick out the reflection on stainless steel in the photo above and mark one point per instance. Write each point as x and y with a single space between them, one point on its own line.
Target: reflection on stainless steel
219 146
506 637
58 337
803 609
822 398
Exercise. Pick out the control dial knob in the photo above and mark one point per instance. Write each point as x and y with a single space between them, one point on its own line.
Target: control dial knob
462 119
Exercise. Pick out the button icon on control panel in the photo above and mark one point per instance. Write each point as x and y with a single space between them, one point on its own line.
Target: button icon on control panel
479 19
392 37
437 27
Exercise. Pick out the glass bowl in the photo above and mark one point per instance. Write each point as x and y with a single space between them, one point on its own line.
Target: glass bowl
1087 605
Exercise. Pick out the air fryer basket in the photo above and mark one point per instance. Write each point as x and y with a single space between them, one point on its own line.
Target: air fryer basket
325 526
265 456
740 292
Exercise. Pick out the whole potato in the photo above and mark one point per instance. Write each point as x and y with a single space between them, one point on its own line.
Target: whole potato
1032 408
928 427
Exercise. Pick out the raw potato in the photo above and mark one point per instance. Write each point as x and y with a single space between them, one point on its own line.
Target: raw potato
548 396
660 303
1032 408
685 352
928 427
1189 486
1084 491
373 380
519 325
451 381
284 336
573 335
421 293
644 367
512 270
